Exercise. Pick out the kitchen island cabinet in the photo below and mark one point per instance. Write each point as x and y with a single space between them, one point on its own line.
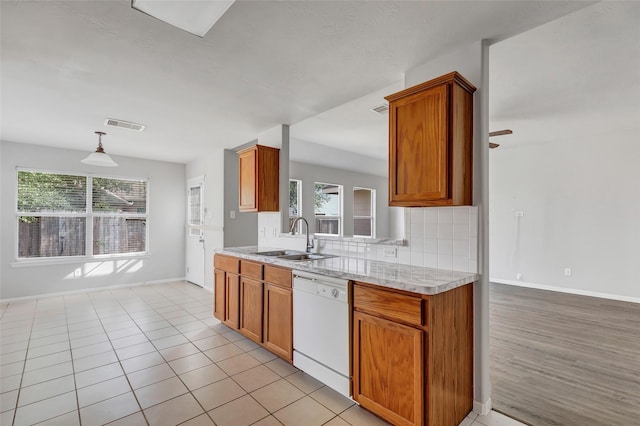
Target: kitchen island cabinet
413 354
387 374
411 333
251 293
278 312
256 299
251 299
232 305
227 290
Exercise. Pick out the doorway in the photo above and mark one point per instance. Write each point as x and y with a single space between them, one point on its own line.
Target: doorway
195 253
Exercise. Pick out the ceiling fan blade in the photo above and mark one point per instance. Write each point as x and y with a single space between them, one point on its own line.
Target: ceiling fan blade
501 132
493 145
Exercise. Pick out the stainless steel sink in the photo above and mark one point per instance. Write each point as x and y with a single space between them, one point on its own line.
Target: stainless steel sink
305 256
277 253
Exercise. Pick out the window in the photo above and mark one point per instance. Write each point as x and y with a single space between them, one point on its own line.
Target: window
195 213
52 214
364 201
119 210
295 203
328 208
64 215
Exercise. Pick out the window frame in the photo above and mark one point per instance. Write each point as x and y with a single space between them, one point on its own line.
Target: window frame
372 218
341 210
298 229
89 215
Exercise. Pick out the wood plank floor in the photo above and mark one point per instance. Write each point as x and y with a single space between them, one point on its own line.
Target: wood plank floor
563 359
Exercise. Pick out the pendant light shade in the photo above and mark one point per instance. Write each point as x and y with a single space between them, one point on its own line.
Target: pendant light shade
99 158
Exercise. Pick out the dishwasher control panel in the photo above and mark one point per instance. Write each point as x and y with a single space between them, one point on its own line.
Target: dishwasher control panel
332 292
322 286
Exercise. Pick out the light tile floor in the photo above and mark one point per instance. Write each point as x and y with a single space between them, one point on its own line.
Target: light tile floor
154 355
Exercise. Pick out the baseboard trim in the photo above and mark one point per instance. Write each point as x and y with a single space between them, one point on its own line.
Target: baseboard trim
567 290
90 290
482 408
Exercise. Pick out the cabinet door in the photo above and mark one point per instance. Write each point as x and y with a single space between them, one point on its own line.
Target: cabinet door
388 364
232 301
251 309
278 327
247 180
219 294
418 147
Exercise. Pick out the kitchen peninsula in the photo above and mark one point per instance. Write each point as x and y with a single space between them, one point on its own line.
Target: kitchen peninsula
411 328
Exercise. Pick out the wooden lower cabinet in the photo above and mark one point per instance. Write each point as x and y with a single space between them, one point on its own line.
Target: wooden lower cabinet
219 294
278 320
413 354
388 369
226 304
232 300
251 294
257 300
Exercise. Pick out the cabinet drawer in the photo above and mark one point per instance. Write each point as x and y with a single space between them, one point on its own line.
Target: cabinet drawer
277 276
394 306
251 269
226 263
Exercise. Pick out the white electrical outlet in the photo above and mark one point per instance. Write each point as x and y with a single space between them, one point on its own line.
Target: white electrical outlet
518 276
77 272
391 252
567 272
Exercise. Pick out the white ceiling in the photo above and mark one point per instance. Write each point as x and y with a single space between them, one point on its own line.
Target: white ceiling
68 65
574 79
352 126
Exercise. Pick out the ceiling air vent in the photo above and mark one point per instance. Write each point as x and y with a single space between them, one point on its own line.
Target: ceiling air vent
381 109
124 124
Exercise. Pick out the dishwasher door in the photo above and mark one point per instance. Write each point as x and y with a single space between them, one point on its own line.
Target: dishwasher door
321 328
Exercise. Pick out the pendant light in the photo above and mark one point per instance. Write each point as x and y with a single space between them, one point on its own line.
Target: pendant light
99 158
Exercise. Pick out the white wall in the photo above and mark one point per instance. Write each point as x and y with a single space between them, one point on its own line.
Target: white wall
580 202
241 229
211 166
572 164
166 225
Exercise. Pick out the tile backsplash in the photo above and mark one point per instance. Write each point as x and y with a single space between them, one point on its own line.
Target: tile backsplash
442 237
436 237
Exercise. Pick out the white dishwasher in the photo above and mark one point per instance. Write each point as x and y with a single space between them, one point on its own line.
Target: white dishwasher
321 328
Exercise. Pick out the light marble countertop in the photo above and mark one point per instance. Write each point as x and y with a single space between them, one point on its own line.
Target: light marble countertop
392 275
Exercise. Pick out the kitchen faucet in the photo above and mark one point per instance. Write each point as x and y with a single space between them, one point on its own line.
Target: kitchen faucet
293 232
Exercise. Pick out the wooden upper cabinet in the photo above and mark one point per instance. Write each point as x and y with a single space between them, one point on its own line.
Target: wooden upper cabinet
431 143
259 182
